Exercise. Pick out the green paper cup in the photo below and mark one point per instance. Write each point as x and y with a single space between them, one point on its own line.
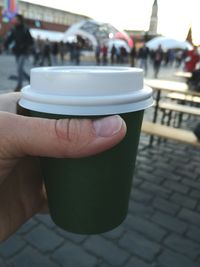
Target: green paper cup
89 195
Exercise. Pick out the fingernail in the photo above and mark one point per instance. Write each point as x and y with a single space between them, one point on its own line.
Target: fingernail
108 126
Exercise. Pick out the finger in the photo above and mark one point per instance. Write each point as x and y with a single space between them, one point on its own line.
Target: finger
22 136
8 102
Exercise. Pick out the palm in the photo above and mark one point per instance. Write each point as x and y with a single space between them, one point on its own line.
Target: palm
21 193
21 183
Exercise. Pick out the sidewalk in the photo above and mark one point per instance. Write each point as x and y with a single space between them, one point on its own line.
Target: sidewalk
162 228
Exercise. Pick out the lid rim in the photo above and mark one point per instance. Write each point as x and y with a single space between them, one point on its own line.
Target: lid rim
136 96
84 111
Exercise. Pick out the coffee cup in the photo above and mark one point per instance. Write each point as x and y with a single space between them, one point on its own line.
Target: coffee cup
89 195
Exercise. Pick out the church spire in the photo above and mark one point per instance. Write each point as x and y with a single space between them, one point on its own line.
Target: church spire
154 19
189 36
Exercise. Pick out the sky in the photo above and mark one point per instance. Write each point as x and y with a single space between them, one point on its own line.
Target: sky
174 16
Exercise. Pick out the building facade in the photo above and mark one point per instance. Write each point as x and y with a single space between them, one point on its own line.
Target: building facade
41 17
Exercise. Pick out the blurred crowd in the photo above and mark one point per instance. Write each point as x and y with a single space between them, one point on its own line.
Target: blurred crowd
186 60
45 53
53 53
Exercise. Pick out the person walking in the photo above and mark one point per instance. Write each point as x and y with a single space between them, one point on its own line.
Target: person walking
97 53
191 60
113 54
37 51
105 54
143 57
55 50
62 52
132 56
157 59
23 42
46 53
77 52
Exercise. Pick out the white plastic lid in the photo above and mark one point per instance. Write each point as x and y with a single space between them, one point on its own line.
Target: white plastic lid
86 90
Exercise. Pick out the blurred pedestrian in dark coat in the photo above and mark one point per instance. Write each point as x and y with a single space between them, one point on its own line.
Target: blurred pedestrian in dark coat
157 60
22 41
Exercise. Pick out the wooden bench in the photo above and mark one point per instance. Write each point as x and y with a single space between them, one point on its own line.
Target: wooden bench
176 111
163 131
184 97
180 108
183 74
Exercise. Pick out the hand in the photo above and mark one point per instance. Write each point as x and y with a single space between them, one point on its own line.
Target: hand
22 139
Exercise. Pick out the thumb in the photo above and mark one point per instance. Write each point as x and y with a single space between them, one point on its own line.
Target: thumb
20 136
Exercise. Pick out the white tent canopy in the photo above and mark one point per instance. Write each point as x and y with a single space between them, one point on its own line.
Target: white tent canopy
53 36
75 30
96 32
118 43
168 43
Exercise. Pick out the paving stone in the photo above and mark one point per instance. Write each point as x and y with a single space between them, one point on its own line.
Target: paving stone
183 200
198 208
103 264
171 259
191 183
11 246
46 220
195 194
165 205
176 186
193 233
197 170
140 196
30 224
145 153
190 216
136 181
2 263
178 161
169 222
180 153
151 177
106 250
194 154
169 175
145 227
140 209
186 173
165 167
76 238
156 157
167 149
71 255
31 258
116 233
144 142
138 245
135 262
156 189
146 167
183 245
142 159
194 164
44 239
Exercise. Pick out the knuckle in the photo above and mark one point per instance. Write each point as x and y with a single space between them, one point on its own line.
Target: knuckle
74 136
74 131
68 130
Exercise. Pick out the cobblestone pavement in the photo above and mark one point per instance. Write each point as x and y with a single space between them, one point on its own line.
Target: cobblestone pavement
162 228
